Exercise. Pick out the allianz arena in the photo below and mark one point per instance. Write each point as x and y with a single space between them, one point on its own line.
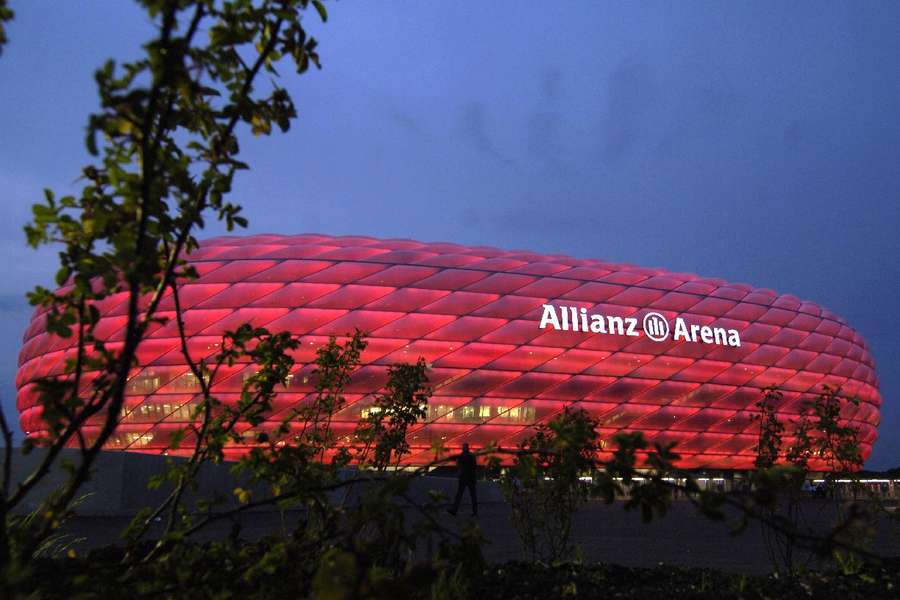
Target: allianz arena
512 338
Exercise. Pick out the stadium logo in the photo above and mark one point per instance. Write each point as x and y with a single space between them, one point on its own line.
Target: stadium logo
654 325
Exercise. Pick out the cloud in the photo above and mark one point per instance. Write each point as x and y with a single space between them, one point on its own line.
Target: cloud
406 122
472 126
12 303
544 126
631 93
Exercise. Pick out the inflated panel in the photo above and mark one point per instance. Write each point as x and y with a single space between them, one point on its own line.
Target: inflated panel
512 338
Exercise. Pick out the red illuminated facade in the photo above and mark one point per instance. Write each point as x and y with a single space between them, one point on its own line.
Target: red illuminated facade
475 315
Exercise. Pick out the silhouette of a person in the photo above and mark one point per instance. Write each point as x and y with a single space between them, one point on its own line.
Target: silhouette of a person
466 466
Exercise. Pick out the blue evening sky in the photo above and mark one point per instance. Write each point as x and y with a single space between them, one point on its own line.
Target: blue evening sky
753 141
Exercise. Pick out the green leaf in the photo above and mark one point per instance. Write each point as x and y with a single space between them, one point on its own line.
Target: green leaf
243 496
176 439
320 8
62 275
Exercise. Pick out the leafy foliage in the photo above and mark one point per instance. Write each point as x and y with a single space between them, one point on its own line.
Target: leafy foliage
527 581
6 15
771 429
556 470
543 486
166 145
383 429
778 481
166 139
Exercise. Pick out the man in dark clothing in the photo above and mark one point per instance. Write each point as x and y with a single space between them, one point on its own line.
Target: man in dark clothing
465 469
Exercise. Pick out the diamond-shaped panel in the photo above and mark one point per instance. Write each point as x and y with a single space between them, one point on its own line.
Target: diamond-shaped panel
473 313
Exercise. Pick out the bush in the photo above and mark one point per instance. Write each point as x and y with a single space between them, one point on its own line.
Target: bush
543 486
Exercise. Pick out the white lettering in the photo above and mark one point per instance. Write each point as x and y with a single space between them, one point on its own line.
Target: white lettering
573 318
632 327
694 330
549 317
681 331
719 336
616 325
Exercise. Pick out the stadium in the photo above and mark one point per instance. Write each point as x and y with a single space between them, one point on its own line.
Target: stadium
511 339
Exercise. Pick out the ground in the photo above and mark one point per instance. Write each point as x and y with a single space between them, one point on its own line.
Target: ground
604 533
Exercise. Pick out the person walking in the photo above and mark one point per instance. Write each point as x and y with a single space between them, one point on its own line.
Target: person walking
466 465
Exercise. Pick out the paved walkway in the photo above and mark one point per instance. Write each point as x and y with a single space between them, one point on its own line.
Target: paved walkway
604 534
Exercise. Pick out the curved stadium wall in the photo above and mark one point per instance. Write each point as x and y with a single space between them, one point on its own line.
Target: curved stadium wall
506 338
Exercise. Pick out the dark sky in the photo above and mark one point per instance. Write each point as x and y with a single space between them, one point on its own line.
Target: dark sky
757 142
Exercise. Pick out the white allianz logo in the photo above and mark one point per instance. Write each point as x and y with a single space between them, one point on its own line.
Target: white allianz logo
654 325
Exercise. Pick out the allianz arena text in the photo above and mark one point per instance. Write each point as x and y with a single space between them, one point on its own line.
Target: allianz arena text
511 338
